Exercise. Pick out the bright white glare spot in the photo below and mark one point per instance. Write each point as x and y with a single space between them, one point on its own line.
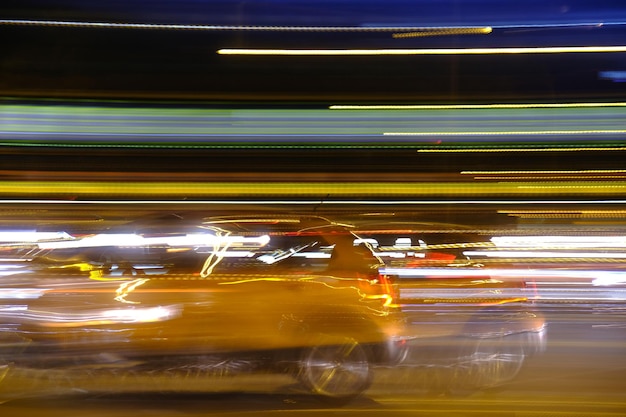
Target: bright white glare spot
134 240
119 239
144 315
398 255
186 240
268 259
370 241
312 255
21 293
236 254
30 236
609 278
403 242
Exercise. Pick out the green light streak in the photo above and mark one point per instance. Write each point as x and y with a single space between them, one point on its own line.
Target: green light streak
439 127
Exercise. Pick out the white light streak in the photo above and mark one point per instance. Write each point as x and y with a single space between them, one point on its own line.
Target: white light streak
444 51
460 293
608 279
256 28
512 133
367 241
114 239
8 270
134 240
312 255
139 315
476 106
560 241
497 273
21 293
237 254
544 254
30 236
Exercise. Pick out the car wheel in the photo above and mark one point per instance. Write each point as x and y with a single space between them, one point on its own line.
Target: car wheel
336 370
492 363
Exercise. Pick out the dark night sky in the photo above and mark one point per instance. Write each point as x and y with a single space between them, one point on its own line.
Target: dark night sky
55 62
326 12
87 62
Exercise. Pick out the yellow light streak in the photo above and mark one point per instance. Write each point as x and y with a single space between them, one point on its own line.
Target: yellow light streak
479 301
441 246
444 32
126 288
436 51
578 186
550 177
75 189
82 266
565 214
512 133
254 220
476 106
216 255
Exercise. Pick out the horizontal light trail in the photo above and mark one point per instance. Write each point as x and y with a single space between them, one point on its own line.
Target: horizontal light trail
434 51
545 254
100 126
550 175
558 172
565 214
528 149
512 133
562 242
195 189
129 144
477 106
497 273
258 28
310 28
444 32
321 202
